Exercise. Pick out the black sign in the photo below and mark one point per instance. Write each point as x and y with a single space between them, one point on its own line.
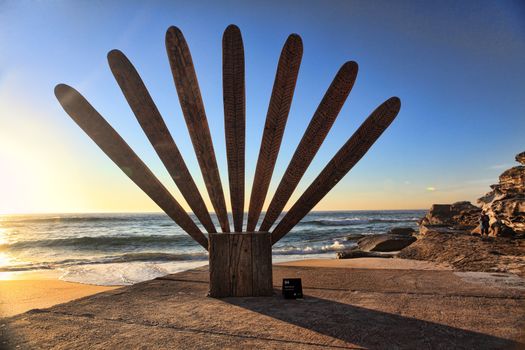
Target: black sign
292 288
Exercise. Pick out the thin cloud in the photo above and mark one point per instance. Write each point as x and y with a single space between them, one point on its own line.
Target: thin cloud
501 166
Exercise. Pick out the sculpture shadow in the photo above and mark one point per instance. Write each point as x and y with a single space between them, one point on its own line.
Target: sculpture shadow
369 328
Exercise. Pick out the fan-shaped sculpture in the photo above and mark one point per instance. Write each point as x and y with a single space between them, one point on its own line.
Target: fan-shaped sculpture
240 263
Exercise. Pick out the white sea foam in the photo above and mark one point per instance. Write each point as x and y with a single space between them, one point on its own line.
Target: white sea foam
117 274
334 246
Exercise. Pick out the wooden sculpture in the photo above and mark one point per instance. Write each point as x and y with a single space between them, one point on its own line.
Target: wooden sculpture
240 262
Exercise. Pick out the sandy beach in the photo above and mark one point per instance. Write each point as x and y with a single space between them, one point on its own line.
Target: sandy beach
21 292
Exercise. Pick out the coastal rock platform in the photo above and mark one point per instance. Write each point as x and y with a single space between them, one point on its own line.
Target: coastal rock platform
342 308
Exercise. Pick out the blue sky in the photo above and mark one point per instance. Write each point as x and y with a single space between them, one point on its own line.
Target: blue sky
457 67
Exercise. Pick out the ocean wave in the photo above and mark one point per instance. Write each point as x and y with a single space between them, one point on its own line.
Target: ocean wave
291 250
122 258
354 221
26 267
81 218
124 274
130 257
163 257
98 242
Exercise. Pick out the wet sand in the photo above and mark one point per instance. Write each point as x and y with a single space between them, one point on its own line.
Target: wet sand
21 292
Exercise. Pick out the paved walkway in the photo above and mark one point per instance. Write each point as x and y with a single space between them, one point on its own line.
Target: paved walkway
342 308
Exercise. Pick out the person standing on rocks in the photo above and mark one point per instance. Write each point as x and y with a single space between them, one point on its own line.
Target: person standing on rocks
484 224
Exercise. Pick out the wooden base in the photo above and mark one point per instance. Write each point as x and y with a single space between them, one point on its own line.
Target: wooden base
240 264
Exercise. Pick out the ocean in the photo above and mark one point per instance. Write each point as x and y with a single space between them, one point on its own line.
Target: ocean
117 249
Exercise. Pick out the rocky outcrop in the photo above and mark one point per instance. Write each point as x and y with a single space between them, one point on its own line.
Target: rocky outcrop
355 236
385 243
380 246
466 252
439 214
458 214
520 158
505 203
512 181
357 253
445 229
402 231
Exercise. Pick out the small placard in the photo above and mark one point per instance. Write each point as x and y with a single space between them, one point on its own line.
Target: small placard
292 288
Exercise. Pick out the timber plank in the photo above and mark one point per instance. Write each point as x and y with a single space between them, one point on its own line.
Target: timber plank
219 255
262 264
241 264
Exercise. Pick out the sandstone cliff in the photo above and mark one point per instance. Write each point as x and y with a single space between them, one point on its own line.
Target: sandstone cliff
445 231
505 203
463 215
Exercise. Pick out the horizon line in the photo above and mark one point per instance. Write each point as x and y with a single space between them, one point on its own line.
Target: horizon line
190 212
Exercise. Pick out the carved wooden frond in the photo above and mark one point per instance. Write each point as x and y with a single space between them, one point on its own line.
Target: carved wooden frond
192 107
313 137
344 160
118 150
280 102
158 134
195 116
234 118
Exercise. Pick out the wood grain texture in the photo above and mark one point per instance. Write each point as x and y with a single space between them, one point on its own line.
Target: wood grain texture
240 264
119 152
219 265
351 152
262 264
280 102
234 118
241 269
158 134
193 109
321 123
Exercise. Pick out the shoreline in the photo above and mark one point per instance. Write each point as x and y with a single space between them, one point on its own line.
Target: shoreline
24 291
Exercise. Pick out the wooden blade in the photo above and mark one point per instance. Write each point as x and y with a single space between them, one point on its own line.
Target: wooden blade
234 118
351 152
280 102
158 134
118 150
321 123
193 109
